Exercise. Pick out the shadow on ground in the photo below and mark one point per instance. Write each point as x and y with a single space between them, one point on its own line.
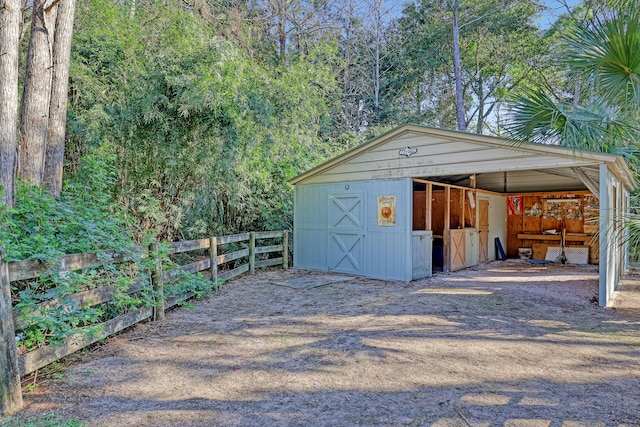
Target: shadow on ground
505 344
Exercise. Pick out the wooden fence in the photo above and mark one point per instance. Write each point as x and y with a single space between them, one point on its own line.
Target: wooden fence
220 266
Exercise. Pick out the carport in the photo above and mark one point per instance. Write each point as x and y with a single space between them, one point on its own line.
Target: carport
417 199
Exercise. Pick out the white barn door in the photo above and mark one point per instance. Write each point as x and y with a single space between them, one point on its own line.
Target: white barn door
345 248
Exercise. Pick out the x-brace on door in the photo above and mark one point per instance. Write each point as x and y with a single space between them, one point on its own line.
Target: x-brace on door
346 233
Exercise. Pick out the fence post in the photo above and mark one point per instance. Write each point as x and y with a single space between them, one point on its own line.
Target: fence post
10 387
213 257
252 253
156 281
285 249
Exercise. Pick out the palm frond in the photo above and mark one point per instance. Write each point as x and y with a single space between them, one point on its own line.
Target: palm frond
536 117
609 52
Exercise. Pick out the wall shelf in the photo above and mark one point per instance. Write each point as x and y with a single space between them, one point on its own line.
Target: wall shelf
556 237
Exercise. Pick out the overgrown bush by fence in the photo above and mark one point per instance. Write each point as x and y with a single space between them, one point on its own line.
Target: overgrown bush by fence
39 328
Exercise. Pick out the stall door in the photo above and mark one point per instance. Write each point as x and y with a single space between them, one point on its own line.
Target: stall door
346 233
457 250
483 231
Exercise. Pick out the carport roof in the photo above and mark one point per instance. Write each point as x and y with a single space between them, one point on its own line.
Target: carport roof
412 151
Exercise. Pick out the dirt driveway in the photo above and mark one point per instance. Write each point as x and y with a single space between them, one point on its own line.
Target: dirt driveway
505 344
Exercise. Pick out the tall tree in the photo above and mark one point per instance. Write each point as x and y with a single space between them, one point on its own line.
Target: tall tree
377 30
34 109
10 15
54 157
457 65
419 87
364 43
296 25
459 59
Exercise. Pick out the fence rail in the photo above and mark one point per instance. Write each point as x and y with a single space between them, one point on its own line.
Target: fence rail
220 266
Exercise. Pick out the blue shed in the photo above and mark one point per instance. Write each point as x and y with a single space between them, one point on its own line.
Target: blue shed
418 199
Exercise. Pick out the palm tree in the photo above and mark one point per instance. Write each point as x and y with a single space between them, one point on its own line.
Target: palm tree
604 59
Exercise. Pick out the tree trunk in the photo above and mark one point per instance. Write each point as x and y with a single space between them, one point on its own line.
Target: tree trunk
58 106
378 18
10 15
34 110
481 102
282 28
349 111
457 69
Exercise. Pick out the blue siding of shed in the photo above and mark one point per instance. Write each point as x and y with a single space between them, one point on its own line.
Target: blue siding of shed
387 249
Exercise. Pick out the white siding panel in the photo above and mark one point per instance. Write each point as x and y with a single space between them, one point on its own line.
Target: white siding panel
309 226
348 172
626 206
472 242
386 152
412 140
611 237
440 155
421 254
420 157
497 222
439 142
442 159
386 249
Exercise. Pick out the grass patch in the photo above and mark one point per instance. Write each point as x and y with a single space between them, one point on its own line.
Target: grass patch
50 420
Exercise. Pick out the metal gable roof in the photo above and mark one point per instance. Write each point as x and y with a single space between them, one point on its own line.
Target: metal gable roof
484 153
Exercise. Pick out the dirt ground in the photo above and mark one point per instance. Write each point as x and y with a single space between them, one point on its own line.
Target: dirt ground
503 344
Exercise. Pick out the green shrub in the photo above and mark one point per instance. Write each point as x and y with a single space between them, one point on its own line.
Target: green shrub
85 218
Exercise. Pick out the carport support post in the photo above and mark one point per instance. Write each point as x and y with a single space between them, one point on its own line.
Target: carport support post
285 249
447 226
156 281
252 253
604 235
10 388
429 207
